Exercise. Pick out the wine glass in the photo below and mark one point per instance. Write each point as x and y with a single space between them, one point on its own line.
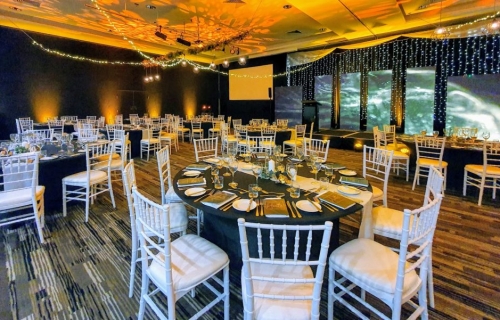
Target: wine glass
225 162
435 134
233 167
299 154
291 170
214 171
253 192
316 168
329 172
486 135
257 170
14 137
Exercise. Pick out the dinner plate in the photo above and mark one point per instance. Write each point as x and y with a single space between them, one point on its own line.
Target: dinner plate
306 206
348 190
81 151
347 172
194 192
242 204
246 167
192 173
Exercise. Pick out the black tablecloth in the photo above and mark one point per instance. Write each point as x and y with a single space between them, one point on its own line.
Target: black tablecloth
68 128
51 173
221 227
457 159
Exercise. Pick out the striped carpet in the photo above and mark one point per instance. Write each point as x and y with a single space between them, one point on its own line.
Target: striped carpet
82 270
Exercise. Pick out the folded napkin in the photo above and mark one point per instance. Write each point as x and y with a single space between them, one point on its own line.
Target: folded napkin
184 182
197 166
218 199
334 166
275 208
354 181
211 160
336 199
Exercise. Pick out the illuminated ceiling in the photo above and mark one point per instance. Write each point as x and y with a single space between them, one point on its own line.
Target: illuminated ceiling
269 27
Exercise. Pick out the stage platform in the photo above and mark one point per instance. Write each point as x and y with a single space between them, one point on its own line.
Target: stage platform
346 139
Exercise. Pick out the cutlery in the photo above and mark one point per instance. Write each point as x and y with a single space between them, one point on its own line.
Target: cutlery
228 206
295 207
325 204
261 208
204 196
257 208
290 208
317 206
249 204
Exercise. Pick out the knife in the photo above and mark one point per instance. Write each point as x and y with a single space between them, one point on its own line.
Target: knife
295 207
317 206
290 208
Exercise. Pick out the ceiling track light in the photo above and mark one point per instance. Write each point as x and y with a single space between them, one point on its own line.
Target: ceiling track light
159 34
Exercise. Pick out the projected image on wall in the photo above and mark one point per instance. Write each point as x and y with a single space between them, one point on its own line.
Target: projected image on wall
350 95
379 99
323 95
474 102
288 104
419 107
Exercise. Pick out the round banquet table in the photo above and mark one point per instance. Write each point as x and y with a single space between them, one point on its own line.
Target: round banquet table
221 227
281 135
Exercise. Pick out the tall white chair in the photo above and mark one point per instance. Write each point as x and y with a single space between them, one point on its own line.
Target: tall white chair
91 117
57 126
118 163
115 134
86 135
269 131
87 185
241 133
400 160
119 119
319 146
388 222
205 148
19 190
429 154
178 266
382 272
278 285
196 130
24 124
178 220
487 175
169 135
152 141
390 137
290 145
41 135
215 130
377 166
183 131
226 138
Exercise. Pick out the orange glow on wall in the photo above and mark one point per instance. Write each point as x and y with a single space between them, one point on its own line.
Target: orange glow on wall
45 100
109 101
189 104
153 104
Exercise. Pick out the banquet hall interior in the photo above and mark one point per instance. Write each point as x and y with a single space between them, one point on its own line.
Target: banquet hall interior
350 71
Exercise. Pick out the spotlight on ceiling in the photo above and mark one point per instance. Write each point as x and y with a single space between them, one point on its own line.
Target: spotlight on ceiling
159 34
242 61
184 42
225 64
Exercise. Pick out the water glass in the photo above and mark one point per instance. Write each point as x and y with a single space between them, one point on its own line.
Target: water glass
295 190
253 191
323 183
219 182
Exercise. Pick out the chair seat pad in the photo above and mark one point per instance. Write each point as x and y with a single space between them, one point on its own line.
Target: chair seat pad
172 196
293 142
80 178
197 130
372 265
267 143
231 139
19 197
184 129
214 130
193 260
378 194
400 155
105 157
425 162
286 309
150 141
388 222
117 164
168 135
478 169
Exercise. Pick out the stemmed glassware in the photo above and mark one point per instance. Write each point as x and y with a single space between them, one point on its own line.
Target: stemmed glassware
233 167
257 170
329 172
214 171
299 154
316 167
486 135
225 163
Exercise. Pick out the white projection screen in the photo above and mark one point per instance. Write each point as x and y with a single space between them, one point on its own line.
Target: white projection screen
379 99
350 100
419 105
251 83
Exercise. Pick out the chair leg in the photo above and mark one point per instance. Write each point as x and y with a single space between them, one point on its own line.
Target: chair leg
64 199
226 292
416 179
331 275
144 292
111 194
133 264
464 191
87 202
430 281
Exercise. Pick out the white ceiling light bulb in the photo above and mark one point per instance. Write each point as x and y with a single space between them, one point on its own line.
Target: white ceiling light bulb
242 61
225 64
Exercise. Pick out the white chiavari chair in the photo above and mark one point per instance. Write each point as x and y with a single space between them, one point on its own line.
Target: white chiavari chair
151 140
377 165
430 152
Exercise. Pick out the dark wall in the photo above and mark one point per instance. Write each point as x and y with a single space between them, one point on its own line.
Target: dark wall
37 84
247 110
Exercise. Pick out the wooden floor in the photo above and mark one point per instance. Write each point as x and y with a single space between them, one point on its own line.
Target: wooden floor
466 248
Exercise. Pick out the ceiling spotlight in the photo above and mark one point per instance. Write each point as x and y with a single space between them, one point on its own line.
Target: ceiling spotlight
242 61
225 64
213 66
287 6
159 34
184 42
495 24
183 63
196 70
146 79
157 77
